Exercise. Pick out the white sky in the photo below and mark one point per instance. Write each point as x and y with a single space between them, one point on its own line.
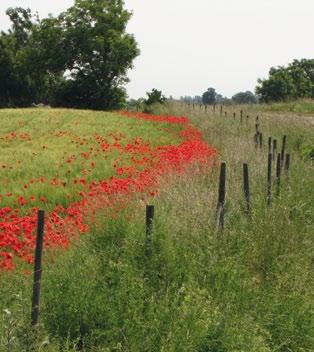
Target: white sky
190 45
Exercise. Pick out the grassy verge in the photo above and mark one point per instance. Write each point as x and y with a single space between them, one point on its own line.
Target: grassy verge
246 289
304 106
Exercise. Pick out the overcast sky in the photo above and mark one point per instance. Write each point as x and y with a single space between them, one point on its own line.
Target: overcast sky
190 45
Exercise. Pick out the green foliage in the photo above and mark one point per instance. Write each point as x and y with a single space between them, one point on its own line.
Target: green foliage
78 59
291 82
155 96
209 97
244 98
136 104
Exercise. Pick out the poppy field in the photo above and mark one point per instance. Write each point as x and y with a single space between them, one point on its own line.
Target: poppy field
75 163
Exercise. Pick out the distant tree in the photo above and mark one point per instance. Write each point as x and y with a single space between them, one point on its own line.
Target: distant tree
188 99
220 99
244 98
135 104
197 99
155 96
291 82
209 97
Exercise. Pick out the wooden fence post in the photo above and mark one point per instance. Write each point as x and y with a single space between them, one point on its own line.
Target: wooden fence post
246 188
270 160
150 213
283 149
221 197
261 140
274 148
269 144
278 172
256 139
287 162
38 267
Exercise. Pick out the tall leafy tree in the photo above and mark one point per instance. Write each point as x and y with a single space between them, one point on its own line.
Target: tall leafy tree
291 82
78 59
155 96
17 87
244 98
209 97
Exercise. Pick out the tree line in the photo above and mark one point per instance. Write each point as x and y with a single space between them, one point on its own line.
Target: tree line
288 83
78 59
284 83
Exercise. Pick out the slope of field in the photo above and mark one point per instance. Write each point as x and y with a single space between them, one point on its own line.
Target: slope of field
189 287
72 163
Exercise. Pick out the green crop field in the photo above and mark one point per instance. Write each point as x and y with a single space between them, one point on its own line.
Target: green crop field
246 288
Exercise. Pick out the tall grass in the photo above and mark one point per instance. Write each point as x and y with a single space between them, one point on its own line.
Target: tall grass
248 288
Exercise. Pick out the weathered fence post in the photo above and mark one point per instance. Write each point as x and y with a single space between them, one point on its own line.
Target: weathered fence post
38 267
283 149
278 172
269 144
246 188
221 197
261 140
234 115
220 109
287 162
150 213
256 139
274 148
269 167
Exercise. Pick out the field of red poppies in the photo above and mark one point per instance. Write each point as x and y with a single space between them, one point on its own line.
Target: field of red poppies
73 164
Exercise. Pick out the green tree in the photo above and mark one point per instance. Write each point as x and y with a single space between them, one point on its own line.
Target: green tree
209 97
17 87
244 98
155 96
291 82
78 59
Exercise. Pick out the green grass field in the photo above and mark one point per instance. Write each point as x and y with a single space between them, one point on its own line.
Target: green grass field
45 150
248 288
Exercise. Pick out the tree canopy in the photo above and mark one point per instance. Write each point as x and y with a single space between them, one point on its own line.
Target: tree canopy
155 96
291 82
78 59
244 98
209 97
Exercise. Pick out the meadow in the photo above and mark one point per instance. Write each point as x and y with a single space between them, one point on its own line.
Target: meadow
246 288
